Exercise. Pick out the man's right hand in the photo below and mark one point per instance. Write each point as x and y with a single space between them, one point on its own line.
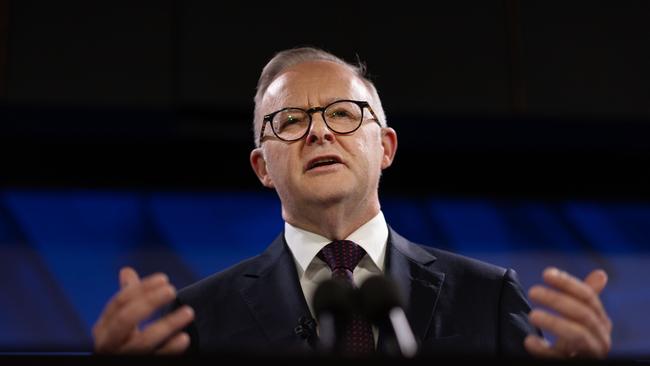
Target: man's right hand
117 330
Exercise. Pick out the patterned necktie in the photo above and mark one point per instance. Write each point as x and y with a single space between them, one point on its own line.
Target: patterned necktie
342 256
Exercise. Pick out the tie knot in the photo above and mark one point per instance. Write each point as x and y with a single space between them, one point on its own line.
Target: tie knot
342 254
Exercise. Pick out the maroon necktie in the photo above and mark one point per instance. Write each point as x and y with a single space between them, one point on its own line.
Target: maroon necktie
342 256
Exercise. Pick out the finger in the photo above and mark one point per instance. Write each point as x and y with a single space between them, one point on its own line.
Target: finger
540 347
572 309
126 295
571 285
577 339
597 280
121 324
178 344
102 329
159 331
128 276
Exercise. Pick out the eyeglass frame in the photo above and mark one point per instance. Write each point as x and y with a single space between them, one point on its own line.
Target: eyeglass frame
361 104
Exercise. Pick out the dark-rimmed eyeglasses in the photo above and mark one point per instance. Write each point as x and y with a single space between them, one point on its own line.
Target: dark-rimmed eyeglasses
342 117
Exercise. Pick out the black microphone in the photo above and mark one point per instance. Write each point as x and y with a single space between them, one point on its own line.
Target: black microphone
334 305
380 301
306 329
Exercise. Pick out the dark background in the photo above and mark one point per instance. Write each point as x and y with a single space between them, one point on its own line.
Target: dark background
507 97
523 139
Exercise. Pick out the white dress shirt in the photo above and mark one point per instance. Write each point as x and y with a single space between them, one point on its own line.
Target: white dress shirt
304 245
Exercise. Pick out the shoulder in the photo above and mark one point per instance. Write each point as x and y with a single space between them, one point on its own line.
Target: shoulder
238 276
469 277
459 269
445 261
218 284
450 262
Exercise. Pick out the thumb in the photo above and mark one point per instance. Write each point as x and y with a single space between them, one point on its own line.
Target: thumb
597 280
128 276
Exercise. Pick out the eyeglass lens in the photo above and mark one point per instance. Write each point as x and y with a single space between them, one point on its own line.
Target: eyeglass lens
341 117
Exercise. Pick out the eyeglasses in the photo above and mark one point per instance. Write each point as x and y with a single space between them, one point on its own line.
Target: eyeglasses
342 117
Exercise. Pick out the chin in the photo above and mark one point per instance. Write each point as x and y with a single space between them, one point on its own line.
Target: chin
328 196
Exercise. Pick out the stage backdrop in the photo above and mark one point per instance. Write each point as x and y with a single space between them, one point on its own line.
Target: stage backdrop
60 250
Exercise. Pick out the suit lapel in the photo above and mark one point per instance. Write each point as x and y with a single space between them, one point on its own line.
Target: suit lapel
275 297
410 267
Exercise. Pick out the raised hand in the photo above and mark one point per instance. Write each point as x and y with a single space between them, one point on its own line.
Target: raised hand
580 323
118 331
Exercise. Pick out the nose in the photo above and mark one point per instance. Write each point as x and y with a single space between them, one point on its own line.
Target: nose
318 131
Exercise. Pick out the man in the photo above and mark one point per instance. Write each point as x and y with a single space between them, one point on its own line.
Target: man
322 142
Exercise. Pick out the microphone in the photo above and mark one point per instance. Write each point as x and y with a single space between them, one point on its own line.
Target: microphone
306 329
379 299
333 305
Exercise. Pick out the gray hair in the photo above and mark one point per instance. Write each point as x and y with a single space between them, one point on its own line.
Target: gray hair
288 58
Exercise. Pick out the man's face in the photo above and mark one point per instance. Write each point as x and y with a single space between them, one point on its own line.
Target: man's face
351 164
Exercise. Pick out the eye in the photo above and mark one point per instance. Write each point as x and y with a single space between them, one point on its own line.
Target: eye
292 118
339 113
289 119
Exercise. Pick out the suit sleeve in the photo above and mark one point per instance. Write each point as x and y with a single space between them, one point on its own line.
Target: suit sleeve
513 318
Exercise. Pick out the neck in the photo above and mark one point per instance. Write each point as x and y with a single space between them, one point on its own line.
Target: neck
336 221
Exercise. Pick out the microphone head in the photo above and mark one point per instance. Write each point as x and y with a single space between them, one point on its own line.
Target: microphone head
334 297
378 295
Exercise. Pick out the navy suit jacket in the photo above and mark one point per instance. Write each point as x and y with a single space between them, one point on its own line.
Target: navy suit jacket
453 303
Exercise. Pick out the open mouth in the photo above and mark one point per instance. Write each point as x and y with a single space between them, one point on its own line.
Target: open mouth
323 161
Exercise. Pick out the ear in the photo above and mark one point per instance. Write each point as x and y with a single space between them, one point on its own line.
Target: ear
389 143
259 167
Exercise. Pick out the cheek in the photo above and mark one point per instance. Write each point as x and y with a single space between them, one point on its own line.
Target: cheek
368 152
279 165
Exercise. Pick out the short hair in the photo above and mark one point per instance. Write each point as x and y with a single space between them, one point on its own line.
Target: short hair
285 59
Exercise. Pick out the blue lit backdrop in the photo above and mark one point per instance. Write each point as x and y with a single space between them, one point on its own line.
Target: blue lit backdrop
60 250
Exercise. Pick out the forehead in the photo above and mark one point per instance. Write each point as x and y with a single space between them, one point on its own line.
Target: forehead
313 83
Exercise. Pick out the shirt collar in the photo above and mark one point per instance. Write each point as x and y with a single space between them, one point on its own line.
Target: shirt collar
371 236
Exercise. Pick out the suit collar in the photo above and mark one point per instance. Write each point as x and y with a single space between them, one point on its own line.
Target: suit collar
371 236
410 250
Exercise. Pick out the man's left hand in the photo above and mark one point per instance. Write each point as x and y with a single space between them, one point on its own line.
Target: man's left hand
580 323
